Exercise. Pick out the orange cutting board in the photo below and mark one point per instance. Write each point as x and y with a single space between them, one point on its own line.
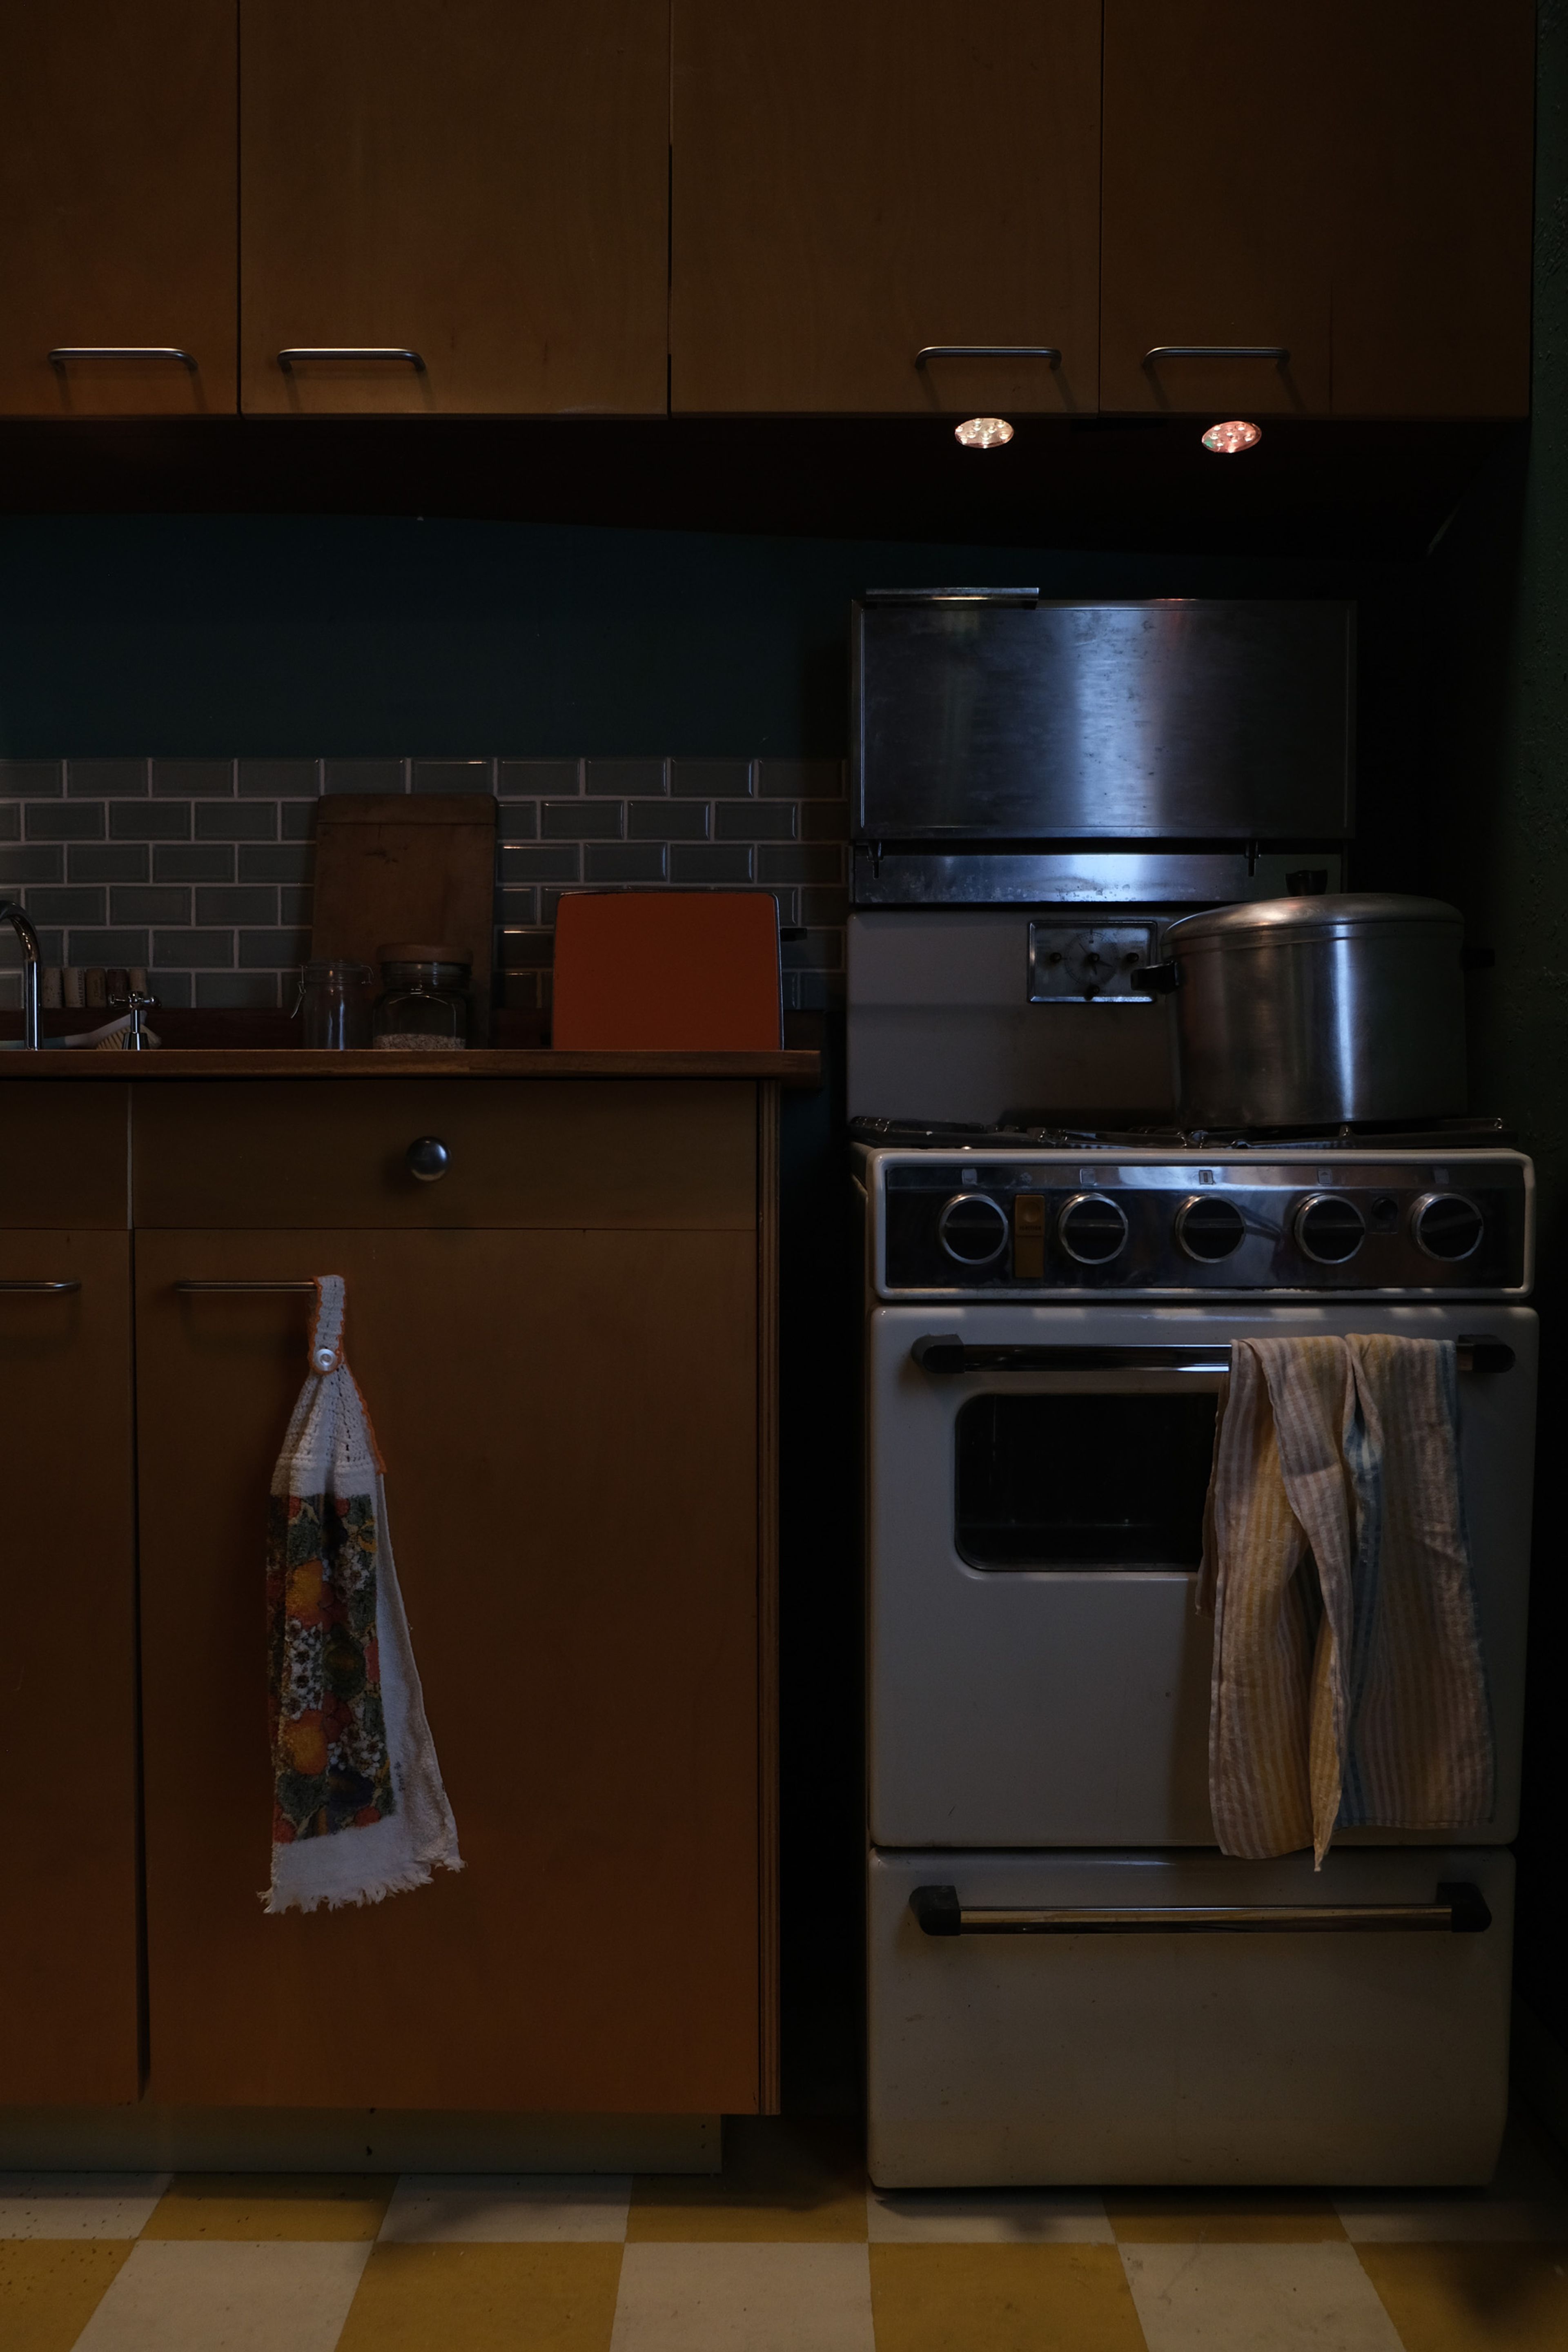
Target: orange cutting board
397 866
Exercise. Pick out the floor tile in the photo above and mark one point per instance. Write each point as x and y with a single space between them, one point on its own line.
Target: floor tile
980 2217
1222 2217
740 2298
477 2298
1001 2299
77 2204
173 2297
436 2208
257 2209
1473 2298
1527 2199
783 2180
48 2291
1255 2298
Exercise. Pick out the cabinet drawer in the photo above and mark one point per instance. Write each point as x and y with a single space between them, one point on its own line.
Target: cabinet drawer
64 1165
570 1153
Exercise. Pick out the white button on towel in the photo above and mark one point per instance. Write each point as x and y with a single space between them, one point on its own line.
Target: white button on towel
324 1358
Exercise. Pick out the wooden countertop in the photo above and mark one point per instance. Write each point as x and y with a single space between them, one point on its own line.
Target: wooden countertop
797 1068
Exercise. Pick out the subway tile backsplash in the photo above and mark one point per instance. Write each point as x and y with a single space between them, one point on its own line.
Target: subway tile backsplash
201 870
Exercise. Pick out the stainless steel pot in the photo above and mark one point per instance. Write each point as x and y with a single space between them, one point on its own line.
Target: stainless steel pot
1291 1011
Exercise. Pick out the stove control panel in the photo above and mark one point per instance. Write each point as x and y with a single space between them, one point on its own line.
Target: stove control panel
1103 1222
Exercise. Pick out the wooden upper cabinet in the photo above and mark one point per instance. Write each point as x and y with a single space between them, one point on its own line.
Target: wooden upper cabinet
854 180
116 207
482 182
1215 229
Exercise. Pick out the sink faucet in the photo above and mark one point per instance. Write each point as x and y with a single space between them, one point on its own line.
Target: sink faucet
16 917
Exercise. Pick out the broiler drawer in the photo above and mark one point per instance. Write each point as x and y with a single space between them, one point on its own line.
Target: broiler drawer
574 1154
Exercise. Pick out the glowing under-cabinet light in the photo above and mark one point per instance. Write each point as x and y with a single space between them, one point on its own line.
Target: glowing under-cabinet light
1229 439
983 433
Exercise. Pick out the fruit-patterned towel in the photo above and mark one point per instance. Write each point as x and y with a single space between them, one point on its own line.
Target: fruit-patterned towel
359 1810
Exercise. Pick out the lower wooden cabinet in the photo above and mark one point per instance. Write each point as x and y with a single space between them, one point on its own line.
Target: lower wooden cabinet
68 1965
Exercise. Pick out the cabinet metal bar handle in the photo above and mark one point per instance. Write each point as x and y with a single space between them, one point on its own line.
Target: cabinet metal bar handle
303 1287
63 353
40 1285
296 352
1278 352
944 1354
1047 351
1458 1909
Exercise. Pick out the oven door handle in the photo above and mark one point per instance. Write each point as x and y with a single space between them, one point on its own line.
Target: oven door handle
944 1354
1458 1909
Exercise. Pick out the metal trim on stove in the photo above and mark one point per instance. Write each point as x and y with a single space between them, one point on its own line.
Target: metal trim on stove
1458 1909
945 1356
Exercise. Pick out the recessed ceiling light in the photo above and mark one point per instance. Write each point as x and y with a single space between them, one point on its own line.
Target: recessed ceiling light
983 433
1228 439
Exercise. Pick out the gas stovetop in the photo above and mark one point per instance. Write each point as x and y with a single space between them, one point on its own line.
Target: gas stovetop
1028 1130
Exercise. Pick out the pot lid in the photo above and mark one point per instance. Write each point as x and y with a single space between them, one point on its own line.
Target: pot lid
1346 913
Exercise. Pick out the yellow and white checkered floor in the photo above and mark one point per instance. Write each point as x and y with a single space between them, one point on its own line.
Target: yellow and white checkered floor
788 2252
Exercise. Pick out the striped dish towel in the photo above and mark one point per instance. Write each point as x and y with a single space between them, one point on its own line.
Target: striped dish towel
359 1810
1347 1683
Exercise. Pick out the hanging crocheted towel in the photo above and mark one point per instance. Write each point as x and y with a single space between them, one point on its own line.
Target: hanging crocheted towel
358 1810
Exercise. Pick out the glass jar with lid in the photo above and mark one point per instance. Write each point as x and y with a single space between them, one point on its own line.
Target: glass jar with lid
423 1007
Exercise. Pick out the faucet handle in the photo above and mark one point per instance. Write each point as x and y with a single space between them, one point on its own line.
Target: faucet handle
136 1002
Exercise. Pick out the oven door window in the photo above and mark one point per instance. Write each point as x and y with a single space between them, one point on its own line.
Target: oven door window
1083 1482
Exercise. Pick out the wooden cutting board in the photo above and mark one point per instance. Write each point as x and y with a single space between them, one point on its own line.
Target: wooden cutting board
417 865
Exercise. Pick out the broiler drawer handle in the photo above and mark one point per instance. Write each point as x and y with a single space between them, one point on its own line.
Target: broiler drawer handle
1458 1909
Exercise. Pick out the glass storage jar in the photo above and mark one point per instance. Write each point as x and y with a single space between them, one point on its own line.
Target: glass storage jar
335 1000
423 1007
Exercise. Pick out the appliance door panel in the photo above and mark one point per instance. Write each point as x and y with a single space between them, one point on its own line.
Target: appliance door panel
1191 2059
1038 1672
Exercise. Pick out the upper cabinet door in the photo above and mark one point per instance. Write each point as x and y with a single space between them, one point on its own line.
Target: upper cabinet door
470 197
1434 115
856 180
1215 249
116 207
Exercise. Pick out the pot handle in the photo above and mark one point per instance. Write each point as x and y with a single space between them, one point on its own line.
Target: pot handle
1157 978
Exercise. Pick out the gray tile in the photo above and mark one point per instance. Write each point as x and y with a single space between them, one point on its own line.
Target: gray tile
10 992
523 951
90 948
31 780
193 780
753 820
212 950
51 945
43 863
297 820
68 905
579 820
622 861
555 865
281 780
800 780
238 992
708 780
824 908
64 821
296 906
272 949
452 775
548 902
188 864
96 861
538 779
788 903
825 821
106 780
150 821
518 820
517 992
170 987
165 902
819 950
254 903
364 776
667 820
239 820
689 863
817 865
514 907
624 779
276 861
10 821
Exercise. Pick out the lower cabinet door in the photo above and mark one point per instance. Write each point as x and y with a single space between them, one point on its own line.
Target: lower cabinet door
68 1992
568 1422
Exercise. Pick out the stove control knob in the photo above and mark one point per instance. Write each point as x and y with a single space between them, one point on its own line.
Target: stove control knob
973 1228
1209 1227
1329 1228
1446 1225
1092 1228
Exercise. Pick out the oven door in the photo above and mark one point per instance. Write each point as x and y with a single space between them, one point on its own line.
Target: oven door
1038 1672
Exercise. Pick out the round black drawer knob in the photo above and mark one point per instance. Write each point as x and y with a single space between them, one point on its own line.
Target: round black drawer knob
1329 1228
1209 1228
427 1158
1092 1229
1446 1225
973 1228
